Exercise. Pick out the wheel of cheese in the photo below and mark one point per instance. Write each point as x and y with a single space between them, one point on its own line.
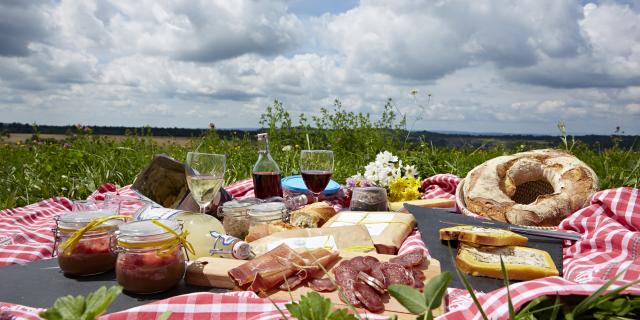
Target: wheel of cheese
534 188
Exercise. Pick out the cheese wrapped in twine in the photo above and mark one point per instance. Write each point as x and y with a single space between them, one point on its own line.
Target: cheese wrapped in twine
387 229
345 238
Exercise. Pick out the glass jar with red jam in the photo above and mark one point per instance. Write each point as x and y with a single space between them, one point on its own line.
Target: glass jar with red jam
82 250
150 255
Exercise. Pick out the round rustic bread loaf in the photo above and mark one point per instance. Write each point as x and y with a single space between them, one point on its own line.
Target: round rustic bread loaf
534 188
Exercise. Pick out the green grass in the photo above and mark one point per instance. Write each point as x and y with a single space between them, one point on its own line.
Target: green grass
41 168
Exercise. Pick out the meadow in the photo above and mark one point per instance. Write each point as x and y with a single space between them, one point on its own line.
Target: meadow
39 167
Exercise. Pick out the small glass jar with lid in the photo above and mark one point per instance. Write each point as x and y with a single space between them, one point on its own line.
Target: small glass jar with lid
266 213
83 242
150 255
235 218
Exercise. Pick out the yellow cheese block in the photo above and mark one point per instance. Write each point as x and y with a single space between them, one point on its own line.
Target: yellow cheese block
522 263
425 203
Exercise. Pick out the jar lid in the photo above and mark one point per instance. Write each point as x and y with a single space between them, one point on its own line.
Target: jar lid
239 204
140 231
268 208
295 183
77 220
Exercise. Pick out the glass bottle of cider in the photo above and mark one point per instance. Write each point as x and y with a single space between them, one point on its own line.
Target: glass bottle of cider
266 173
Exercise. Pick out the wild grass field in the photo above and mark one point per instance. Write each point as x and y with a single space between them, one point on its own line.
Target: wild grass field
41 167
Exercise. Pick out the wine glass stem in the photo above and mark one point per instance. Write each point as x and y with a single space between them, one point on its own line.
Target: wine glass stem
316 196
202 208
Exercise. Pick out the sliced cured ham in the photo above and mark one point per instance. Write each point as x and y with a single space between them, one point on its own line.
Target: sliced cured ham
316 261
293 281
268 270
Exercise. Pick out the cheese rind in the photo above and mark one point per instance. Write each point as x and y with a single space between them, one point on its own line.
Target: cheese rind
483 236
521 263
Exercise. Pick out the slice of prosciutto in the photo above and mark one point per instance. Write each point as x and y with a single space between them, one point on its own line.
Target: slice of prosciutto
268 270
316 261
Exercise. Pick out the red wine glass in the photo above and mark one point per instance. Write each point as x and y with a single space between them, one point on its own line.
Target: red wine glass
316 167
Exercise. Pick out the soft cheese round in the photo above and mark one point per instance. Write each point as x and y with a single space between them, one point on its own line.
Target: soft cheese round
534 188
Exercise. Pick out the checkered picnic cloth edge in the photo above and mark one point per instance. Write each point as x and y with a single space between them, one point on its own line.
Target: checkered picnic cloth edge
239 305
610 245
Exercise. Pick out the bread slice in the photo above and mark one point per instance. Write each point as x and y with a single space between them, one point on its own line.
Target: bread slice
312 216
522 263
262 230
483 236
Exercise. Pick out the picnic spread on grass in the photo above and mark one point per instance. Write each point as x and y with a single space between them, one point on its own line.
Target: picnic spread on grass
197 249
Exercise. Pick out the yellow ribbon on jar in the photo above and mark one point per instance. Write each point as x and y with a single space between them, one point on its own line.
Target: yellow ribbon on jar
70 244
165 246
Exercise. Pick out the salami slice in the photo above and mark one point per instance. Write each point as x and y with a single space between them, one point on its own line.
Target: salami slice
358 263
348 292
369 298
410 259
322 285
370 261
344 274
376 272
396 274
372 282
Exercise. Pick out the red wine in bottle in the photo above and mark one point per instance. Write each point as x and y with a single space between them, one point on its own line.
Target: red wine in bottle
316 180
267 185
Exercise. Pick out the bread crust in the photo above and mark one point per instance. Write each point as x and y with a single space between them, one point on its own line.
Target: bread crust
475 235
468 262
262 230
489 187
313 215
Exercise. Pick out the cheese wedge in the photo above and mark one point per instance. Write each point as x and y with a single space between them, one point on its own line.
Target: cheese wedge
522 263
483 236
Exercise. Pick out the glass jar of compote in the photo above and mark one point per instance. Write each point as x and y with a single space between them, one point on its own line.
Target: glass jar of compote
83 242
150 255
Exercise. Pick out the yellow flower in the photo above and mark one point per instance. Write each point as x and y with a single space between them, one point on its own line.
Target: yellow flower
410 194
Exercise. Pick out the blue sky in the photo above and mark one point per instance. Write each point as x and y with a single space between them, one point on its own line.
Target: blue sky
490 65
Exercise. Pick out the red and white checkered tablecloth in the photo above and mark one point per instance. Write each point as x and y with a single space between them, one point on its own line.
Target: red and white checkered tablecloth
610 244
26 235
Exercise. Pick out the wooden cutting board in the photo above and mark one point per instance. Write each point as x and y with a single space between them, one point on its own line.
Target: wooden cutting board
213 272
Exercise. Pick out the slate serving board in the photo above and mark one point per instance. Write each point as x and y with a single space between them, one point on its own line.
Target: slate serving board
40 283
430 221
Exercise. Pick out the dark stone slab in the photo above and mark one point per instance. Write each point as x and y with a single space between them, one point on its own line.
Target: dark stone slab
39 283
430 221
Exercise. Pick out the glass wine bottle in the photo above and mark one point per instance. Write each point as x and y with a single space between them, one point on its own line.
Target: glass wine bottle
266 173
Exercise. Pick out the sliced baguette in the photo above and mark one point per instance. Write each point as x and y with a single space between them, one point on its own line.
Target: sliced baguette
483 236
522 263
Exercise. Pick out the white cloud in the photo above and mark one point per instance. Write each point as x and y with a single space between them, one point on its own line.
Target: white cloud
633 108
491 65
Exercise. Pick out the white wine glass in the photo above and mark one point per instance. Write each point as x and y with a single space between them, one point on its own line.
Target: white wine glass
205 176
316 167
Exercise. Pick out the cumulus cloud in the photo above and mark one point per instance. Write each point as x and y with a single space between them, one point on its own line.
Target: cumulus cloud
491 65
22 22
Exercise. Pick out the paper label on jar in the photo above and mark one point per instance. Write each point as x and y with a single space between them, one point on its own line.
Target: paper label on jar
375 222
327 242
